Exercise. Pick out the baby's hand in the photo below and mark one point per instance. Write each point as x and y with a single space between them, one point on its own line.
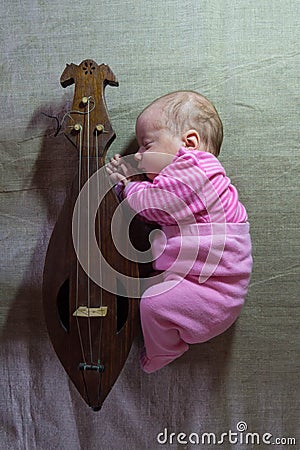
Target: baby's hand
118 170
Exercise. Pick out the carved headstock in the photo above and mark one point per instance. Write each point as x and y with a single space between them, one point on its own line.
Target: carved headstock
89 127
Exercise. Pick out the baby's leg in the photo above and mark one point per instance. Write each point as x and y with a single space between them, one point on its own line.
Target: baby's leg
161 324
180 311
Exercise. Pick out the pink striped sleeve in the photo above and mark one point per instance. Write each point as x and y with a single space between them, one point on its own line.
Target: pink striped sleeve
169 198
193 186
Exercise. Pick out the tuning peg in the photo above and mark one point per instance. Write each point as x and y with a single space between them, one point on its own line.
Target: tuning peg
100 128
77 127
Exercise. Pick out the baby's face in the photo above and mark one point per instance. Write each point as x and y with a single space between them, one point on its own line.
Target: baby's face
157 147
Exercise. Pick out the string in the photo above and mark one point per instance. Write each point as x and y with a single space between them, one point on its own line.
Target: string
88 255
77 265
100 271
59 124
89 110
88 236
88 168
75 111
99 230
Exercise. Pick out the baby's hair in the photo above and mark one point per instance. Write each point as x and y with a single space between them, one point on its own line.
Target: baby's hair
185 110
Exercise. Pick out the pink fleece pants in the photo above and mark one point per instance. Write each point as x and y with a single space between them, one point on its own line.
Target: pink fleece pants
184 313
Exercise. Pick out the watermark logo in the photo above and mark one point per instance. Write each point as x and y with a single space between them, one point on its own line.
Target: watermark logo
164 201
241 426
240 436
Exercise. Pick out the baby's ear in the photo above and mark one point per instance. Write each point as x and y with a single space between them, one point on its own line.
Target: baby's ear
191 139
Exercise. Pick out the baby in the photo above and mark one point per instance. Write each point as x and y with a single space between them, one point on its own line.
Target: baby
204 255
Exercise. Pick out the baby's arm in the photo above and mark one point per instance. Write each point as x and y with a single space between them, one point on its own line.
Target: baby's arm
175 193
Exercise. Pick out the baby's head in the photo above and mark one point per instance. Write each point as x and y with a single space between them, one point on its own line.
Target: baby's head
182 111
180 119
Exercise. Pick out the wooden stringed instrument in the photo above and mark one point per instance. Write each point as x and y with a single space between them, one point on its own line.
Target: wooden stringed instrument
91 327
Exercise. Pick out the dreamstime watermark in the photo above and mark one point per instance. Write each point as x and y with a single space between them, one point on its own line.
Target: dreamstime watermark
238 437
90 256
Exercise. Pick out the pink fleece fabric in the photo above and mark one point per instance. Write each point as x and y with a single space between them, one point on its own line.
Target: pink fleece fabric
184 310
204 255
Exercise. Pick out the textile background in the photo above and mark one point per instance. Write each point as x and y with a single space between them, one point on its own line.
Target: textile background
242 55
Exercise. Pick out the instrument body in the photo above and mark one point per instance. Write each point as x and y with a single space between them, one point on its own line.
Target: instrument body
91 329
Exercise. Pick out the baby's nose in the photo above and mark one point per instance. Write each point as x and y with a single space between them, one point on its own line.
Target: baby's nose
138 156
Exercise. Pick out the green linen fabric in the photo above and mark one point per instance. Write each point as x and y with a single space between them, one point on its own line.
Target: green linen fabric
242 55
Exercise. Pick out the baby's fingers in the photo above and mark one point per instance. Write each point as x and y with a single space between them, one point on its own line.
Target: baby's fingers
116 160
125 169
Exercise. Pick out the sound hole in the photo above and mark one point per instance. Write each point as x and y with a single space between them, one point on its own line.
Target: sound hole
88 68
62 303
122 306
